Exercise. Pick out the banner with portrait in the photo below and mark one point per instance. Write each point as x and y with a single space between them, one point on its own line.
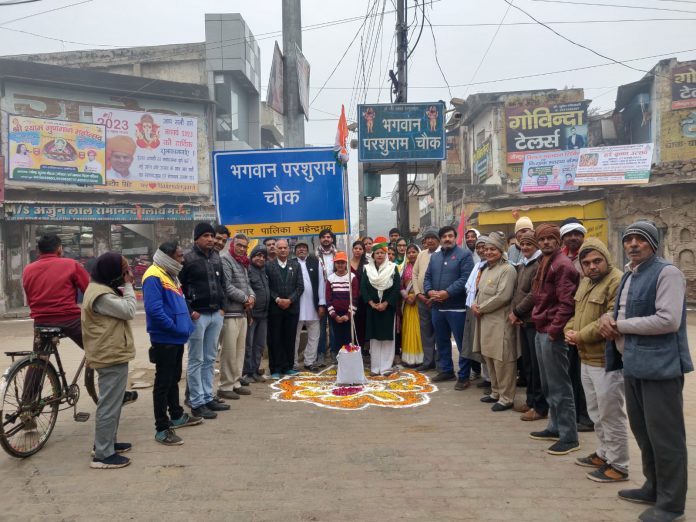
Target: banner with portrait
617 165
549 171
545 128
55 151
149 151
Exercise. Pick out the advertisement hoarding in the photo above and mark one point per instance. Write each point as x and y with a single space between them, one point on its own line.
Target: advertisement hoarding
618 165
684 86
549 171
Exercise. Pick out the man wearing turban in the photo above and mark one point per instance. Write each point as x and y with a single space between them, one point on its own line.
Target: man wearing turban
119 153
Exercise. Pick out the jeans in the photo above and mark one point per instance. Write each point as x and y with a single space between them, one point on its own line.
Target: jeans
203 345
557 388
234 331
425 317
581 416
656 414
165 393
112 385
322 335
255 344
535 396
605 405
446 325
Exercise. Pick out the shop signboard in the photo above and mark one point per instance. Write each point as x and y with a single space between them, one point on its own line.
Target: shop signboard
545 128
684 86
125 213
678 135
619 165
401 132
55 151
482 162
276 192
147 151
549 171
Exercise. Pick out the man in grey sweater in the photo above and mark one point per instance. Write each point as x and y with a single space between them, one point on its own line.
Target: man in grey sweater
647 338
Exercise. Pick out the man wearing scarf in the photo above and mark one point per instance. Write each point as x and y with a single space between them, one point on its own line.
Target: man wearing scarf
325 254
380 289
239 300
169 326
109 346
554 286
312 306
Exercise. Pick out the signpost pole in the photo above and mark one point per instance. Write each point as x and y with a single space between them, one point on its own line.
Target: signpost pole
292 37
402 97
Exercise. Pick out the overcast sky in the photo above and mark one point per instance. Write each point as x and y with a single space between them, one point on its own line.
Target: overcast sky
516 50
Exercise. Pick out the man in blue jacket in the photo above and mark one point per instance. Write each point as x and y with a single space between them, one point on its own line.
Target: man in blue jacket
169 325
445 285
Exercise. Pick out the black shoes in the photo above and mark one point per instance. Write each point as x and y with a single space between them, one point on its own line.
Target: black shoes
501 407
563 448
543 435
441 377
204 412
216 406
640 496
488 399
462 384
484 384
130 397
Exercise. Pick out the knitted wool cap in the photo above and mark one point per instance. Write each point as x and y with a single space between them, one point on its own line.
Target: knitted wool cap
645 229
522 223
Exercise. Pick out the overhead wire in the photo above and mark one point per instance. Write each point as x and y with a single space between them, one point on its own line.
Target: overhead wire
32 15
646 8
490 45
601 55
437 59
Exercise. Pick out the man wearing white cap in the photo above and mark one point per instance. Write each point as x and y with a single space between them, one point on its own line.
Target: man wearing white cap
573 235
514 253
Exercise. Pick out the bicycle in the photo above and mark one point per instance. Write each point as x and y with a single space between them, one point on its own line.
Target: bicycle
32 391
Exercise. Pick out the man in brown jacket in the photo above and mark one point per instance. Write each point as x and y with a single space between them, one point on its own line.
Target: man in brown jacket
604 390
535 407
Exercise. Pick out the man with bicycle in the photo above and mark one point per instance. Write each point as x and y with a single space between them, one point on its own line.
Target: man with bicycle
51 284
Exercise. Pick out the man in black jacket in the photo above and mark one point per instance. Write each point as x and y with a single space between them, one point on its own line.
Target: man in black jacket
203 283
312 306
258 323
286 286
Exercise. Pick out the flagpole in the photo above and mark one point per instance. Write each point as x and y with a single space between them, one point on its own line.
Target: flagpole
346 221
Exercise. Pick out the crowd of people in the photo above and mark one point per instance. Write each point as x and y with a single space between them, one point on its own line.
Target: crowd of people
597 348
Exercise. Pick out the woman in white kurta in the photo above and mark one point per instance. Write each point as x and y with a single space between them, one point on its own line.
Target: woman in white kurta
494 336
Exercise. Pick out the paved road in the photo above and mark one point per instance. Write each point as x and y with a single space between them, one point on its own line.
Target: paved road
452 459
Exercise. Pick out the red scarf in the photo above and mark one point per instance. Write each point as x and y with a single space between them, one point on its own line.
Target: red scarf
242 260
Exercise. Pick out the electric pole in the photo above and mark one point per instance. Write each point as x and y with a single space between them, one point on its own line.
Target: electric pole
293 120
401 89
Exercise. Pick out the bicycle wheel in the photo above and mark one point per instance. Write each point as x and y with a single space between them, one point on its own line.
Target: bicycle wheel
90 385
30 392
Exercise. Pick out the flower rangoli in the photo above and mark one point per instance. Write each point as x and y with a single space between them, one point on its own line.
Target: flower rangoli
403 389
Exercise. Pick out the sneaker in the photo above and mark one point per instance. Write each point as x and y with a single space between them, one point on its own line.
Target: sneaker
543 435
640 496
654 514
229 394
216 406
184 421
130 397
276 376
242 391
563 448
444 376
112 462
168 438
591 461
119 447
462 384
533 415
607 473
203 412
474 376
291 372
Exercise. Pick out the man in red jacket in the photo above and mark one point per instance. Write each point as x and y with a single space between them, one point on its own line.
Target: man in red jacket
554 288
51 284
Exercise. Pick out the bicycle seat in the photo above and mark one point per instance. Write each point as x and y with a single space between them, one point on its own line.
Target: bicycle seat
48 330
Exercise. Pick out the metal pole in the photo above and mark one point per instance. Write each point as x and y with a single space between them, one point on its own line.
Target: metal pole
402 97
293 121
362 203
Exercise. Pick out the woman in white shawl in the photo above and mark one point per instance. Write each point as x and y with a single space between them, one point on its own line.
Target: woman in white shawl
380 289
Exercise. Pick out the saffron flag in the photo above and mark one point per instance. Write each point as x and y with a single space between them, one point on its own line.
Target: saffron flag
341 139
461 229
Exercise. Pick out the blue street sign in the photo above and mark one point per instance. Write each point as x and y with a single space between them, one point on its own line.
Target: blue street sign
276 192
401 132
